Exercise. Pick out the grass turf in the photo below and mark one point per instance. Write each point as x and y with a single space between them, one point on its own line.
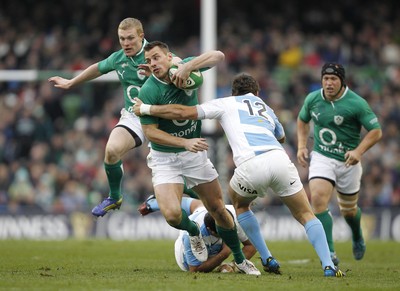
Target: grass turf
150 265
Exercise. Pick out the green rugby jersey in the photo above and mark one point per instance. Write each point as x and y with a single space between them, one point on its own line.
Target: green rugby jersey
337 124
127 69
157 92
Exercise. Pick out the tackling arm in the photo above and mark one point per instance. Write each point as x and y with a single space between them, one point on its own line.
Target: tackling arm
212 262
248 249
170 111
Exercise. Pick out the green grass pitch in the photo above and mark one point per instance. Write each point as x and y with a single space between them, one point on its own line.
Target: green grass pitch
150 265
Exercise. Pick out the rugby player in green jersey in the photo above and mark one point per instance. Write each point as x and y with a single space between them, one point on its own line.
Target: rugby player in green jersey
178 153
338 115
129 64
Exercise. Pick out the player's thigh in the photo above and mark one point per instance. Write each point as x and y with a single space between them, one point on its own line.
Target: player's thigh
210 194
166 168
197 169
129 129
349 179
321 192
299 206
120 141
169 197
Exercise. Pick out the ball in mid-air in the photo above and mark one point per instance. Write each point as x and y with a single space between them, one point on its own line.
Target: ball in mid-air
194 80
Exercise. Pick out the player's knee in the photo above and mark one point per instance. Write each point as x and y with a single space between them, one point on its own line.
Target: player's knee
173 218
348 210
112 153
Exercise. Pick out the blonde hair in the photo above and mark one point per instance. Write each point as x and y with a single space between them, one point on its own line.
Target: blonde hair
130 22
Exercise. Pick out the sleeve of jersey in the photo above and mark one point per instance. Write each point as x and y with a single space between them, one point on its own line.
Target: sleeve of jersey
367 117
279 131
304 113
212 109
107 65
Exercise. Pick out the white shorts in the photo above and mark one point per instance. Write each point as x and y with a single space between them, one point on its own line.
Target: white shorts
179 252
272 169
132 122
192 168
347 180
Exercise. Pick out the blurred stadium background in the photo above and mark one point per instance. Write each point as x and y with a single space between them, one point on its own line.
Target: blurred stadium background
52 141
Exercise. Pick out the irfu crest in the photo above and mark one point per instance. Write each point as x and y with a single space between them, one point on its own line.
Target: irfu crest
338 119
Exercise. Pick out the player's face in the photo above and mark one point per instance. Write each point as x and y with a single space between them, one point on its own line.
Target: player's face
130 41
332 86
159 62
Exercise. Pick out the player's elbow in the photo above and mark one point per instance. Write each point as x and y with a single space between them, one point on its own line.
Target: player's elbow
379 134
220 56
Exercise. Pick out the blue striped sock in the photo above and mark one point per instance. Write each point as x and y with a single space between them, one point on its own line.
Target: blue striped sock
316 235
251 227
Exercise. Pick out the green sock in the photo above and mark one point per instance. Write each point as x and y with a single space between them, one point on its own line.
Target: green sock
114 175
327 222
230 237
187 224
190 192
355 225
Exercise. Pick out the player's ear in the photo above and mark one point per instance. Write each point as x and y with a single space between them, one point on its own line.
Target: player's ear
169 56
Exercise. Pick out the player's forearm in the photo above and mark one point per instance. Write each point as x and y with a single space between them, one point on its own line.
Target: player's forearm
90 73
249 251
206 60
369 140
163 138
303 130
211 263
174 111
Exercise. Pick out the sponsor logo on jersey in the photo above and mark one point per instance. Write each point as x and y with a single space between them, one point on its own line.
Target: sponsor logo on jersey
247 190
338 119
121 74
187 131
315 115
374 120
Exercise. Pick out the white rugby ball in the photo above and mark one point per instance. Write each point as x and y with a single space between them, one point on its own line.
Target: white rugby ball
194 81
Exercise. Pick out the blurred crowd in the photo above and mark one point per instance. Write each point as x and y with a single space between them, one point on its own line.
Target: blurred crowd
52 141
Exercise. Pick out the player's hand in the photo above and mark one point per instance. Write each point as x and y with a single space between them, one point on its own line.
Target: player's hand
136 106
60 82
180 76
195 145
352 158
302 157
144 70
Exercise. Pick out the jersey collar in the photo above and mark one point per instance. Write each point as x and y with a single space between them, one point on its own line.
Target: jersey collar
344 94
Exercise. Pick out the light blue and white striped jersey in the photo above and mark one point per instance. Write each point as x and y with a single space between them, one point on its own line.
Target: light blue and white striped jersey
213 243
250 125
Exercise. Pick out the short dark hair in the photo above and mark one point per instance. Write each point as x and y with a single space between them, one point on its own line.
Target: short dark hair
334 69
244 83
209 221
156 43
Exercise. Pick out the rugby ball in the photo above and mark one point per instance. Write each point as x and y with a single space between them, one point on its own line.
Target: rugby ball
193 82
